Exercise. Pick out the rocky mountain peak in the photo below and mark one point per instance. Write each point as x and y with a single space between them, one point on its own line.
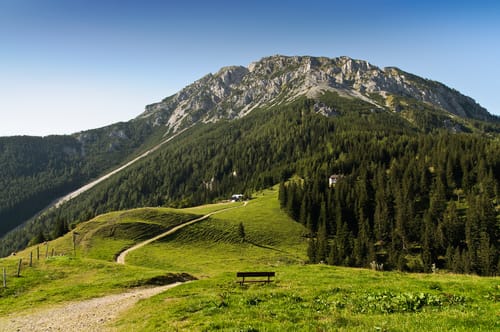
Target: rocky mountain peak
235 91
231 75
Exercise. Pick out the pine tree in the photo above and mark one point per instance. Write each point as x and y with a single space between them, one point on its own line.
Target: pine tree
458 261
322 242
381 215
427 241
61 228
304 211
485 255
39 238
449 258
401 221
451 230
437 203
282 195
312 249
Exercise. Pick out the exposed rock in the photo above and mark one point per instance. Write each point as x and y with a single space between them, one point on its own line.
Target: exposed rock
235 91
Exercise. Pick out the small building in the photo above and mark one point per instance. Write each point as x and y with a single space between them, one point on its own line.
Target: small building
334 178
236 197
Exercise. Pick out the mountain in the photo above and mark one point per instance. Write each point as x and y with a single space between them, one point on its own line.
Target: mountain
235 91
244 129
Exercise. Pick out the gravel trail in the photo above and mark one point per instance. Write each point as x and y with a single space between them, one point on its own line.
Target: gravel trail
85 316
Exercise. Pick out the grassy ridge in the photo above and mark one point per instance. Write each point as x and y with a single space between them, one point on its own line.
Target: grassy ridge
105 236
214 246
92 272
109 234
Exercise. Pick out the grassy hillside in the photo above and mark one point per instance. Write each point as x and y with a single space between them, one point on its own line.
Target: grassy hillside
303 297
67 273
105 236
215 246
324 298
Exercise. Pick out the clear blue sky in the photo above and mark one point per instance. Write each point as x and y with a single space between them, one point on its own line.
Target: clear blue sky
70 65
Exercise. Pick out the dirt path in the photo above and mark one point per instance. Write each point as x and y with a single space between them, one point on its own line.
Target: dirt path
93 314
88 315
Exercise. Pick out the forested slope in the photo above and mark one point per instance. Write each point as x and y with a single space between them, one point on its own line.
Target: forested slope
406 203
270 145
37 170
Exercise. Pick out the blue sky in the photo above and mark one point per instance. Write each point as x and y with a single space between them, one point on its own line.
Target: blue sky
70 65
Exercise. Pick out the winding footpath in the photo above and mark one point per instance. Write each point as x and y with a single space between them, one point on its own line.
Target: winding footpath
94 314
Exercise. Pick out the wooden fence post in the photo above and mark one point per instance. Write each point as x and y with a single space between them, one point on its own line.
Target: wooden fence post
53 252
4 278
74 242
37 253
31 258
47 250
19 267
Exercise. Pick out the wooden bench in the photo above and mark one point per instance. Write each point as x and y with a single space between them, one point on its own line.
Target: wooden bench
244 275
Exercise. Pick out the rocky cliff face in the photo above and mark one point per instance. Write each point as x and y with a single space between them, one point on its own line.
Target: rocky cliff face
235 91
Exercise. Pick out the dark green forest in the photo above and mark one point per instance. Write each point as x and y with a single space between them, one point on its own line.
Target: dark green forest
408 203
34 171
408 182
37 170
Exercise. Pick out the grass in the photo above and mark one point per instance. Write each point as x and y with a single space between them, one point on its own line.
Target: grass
214 246
211 208
302 298
105 236
63 278
324 298
89 271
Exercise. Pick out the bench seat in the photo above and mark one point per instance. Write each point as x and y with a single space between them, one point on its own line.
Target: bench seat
244 275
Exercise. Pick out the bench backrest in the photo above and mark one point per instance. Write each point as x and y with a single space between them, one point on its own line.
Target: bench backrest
255 274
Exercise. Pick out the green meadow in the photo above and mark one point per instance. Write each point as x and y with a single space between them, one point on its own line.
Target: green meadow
303 297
